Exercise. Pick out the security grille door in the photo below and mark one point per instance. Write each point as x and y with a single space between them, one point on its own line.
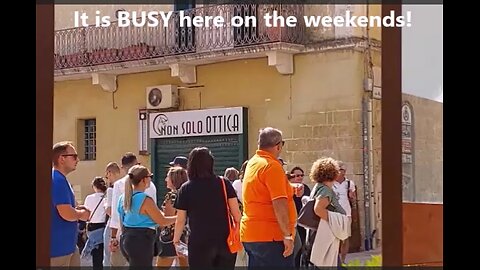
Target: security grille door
227 150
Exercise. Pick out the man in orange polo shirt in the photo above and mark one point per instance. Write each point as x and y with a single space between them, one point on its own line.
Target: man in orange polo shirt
267 228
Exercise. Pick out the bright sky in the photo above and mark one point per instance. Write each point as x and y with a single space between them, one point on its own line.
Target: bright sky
422 52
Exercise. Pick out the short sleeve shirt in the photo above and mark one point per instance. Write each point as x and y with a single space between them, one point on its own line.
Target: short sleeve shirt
263 182
322 191
63 234
342 189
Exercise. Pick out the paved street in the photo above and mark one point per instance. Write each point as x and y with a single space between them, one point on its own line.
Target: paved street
363 256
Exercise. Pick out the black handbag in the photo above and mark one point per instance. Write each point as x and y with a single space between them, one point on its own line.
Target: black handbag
307 217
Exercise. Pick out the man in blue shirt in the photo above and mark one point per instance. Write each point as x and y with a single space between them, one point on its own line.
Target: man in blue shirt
65 213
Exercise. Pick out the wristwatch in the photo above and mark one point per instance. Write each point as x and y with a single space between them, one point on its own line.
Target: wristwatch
289 237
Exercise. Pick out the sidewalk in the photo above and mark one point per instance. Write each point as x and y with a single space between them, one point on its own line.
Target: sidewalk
362 256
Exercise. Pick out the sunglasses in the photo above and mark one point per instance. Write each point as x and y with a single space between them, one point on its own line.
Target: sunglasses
281 142
299 175
75 156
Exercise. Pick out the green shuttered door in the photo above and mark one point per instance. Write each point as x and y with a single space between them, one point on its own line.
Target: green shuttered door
228 151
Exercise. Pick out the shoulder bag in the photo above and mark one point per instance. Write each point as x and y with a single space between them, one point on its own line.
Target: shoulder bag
233 239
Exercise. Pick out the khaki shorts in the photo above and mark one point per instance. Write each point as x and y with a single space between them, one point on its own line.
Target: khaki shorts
67 260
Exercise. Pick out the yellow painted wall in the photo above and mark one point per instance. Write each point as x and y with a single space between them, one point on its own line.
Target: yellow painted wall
313 107
116 129
318 34
375 32
367 10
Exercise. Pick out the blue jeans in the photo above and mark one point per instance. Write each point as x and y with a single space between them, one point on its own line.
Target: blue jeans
261 254
106 249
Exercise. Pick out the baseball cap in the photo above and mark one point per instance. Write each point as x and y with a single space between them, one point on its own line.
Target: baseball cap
180 160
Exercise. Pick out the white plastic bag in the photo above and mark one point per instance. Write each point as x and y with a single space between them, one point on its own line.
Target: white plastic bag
182 249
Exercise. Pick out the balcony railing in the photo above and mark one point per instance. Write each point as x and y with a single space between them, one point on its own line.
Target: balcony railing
90 46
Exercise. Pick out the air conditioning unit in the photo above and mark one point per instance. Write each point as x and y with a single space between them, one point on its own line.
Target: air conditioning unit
162 97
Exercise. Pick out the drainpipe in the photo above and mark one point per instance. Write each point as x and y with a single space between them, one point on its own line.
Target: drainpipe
367 117
368 181
373 204
366 171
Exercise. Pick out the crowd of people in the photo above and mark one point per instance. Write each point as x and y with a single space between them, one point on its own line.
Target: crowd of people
259 204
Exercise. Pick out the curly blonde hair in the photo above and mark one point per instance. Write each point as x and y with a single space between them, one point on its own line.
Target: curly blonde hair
324 170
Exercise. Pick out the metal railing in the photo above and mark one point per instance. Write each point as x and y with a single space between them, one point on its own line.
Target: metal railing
90 46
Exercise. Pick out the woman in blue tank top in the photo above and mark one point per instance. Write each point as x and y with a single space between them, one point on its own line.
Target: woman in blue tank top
140 217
